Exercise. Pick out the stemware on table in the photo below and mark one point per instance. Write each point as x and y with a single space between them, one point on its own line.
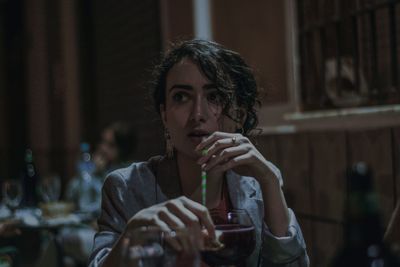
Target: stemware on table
12 194
150 247
50 188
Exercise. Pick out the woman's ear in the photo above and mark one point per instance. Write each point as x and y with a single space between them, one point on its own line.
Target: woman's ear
163 114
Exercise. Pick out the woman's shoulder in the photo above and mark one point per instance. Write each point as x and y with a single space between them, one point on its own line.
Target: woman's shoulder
136 170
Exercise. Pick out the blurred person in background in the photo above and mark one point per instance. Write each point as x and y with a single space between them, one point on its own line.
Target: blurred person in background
114 150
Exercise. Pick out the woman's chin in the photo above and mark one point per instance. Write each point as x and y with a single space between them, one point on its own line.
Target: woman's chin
190 154
195 140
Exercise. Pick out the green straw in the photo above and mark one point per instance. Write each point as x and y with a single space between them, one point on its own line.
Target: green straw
203 182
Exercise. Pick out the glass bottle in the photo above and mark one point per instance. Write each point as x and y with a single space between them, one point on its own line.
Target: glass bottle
363 231
30 180
85 189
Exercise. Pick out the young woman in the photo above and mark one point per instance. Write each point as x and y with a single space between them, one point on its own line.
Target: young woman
206 96
116 147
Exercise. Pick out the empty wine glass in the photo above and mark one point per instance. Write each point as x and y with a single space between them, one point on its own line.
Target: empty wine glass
12 194
149 247
50 188
143 247
237 235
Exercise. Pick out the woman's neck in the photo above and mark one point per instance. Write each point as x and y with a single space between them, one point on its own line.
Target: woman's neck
189 173
190 178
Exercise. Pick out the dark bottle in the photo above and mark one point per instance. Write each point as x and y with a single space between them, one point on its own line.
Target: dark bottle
30 180
363 231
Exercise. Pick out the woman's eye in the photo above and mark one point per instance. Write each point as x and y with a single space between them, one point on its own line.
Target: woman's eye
180 97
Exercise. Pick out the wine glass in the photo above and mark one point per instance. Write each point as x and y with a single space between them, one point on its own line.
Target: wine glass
12 194
143 247
149 247
236 233
50 188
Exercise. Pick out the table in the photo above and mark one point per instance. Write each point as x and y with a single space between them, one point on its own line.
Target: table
31 220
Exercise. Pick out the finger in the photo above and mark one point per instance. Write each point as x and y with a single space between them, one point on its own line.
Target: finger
229 140
193 227
226 155
215 148
211 139
183 213
176 224
170 219
183 238
233 163
195 239
179 218
169 236
202 213
191 221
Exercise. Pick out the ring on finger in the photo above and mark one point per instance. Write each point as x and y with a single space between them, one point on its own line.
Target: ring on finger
233 140
172 234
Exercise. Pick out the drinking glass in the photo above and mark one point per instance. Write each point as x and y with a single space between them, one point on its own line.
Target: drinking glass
237 234
12 194
149 247
143 247
50 188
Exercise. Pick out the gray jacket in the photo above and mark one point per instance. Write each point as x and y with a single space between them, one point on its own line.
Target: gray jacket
141 185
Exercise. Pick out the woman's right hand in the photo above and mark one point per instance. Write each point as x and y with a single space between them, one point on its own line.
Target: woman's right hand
176 216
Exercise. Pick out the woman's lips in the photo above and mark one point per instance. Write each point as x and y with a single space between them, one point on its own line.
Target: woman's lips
197 138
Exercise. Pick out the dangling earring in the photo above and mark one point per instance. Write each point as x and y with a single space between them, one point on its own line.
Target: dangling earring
169 150
240 130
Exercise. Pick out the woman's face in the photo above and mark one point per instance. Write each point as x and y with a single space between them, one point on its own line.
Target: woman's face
107 147
192 108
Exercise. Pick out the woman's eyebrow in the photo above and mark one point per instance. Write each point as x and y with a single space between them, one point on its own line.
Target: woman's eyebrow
207 86
180 86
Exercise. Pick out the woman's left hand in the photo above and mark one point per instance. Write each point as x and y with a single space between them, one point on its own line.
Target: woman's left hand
234 151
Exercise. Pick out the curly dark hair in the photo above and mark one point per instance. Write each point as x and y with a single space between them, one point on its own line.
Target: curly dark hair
225 68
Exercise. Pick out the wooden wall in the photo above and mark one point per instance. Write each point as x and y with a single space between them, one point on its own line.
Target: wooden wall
257 32
126 46
313 165
67 69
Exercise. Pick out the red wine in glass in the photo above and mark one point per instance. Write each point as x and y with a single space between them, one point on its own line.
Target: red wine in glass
237 236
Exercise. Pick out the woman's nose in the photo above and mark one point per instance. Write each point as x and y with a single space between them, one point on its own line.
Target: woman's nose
200 110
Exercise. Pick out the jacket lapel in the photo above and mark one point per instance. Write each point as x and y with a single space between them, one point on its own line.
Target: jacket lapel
167 178
245 194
